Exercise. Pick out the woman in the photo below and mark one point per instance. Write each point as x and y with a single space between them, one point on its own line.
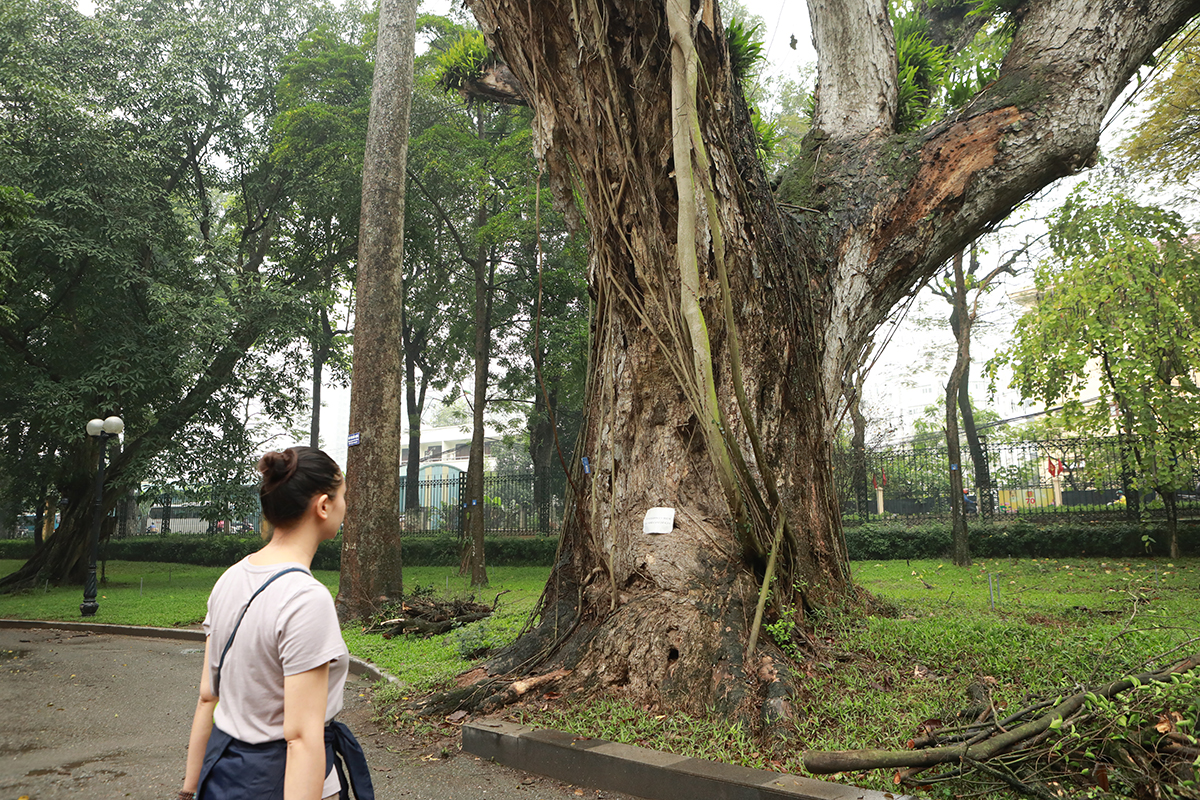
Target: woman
274 655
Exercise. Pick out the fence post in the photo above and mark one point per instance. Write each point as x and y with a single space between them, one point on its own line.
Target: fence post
862 499
166 514
462 503
1132 499
983 483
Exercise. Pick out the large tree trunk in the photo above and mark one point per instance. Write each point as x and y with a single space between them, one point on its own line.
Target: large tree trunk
371 563
63 558
718 400
60 560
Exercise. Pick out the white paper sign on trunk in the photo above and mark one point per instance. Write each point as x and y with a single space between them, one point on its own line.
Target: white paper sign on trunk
660 519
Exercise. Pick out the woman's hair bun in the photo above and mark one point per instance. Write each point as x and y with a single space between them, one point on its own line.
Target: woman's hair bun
277 467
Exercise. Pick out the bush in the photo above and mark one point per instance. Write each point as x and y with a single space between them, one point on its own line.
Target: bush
879 541
221 551
16 548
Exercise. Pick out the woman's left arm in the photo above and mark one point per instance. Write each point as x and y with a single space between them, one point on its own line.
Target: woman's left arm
202 722
304 698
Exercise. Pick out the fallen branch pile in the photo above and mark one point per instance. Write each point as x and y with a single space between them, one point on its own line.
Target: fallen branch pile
1146 737
428 617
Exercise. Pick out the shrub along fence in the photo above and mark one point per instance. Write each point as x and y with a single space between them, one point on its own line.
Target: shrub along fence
1019 537
1087 496
221 551
879 540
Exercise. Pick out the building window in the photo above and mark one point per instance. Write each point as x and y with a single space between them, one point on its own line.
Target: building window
434 451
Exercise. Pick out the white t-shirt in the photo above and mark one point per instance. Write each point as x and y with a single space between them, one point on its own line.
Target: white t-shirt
290 628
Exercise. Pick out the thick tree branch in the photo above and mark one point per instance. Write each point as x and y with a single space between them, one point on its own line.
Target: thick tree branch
856 65
1038 122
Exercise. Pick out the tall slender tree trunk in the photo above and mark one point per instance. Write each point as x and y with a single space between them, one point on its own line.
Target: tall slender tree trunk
1168 496
484 275
858 447
542 452
960 546
975 445
322 345
314 426
415 404
979 457
371 558
39 519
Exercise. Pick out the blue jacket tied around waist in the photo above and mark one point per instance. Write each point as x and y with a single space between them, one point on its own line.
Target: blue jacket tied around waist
236 770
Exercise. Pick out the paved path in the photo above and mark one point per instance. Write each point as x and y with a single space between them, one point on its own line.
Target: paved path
97 716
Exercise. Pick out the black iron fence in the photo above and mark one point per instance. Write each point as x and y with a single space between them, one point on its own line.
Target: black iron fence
1119 476
1102 476
513 505
208 510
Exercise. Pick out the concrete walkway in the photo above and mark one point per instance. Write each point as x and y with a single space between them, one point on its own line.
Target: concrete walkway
106 715
96 716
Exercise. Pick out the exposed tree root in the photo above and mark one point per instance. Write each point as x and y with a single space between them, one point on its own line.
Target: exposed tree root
486 696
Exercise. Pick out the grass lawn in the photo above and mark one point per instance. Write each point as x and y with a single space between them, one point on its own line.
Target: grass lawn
1020 627
174 595
871 682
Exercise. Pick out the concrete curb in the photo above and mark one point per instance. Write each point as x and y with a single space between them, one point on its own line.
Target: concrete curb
357 665
645 773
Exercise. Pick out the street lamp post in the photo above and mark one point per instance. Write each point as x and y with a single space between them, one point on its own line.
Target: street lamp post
104 429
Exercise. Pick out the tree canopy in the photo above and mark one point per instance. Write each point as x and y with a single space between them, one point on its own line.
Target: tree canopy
1167 140
142 210
1118 307
1118 298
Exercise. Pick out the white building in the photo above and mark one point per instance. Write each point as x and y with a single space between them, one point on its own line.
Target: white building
450 445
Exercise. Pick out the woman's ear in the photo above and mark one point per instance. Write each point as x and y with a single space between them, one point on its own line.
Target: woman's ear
321 506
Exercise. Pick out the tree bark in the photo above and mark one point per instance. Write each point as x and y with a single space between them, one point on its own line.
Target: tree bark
39 519
962 323
983 471
1168 497
371 558
725 322
858 445
62 561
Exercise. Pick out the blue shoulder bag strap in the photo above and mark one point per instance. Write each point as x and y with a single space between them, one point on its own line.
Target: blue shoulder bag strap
216 678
